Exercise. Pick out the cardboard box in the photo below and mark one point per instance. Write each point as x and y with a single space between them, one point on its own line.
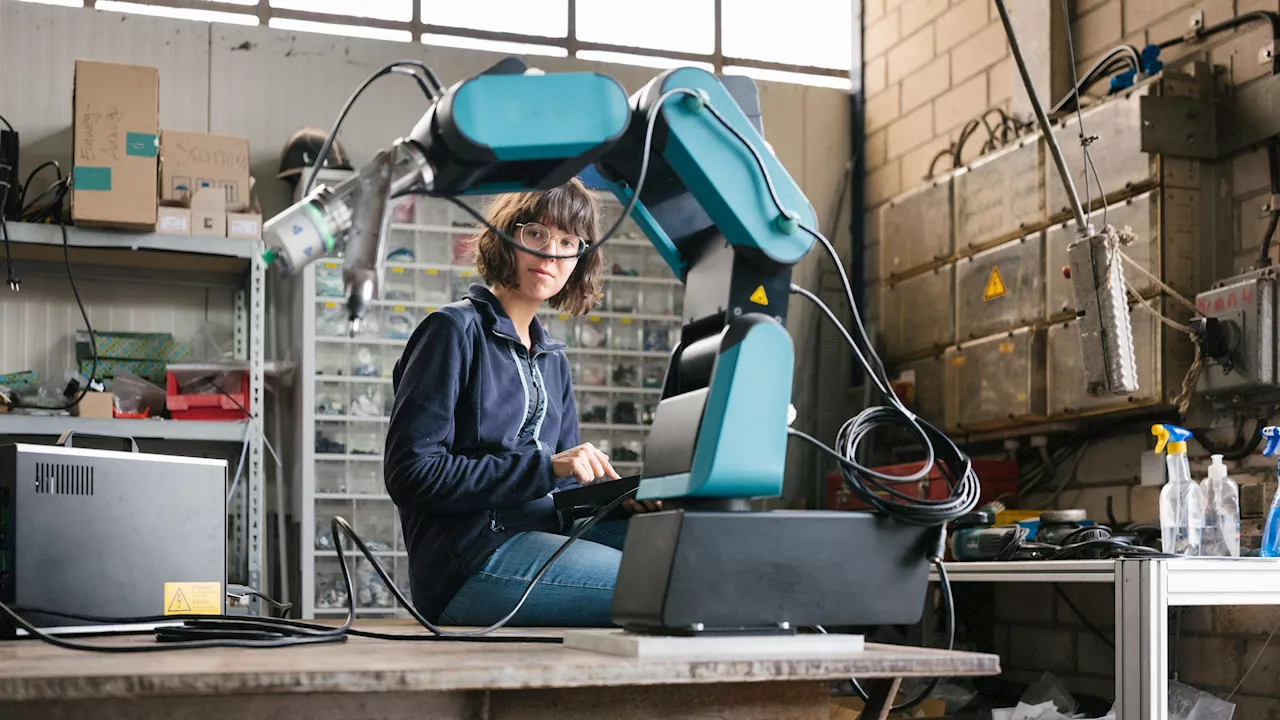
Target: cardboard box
191 161
208 214
247 226
115 146
96 405
173 220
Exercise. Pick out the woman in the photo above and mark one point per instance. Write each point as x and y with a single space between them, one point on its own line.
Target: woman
485 428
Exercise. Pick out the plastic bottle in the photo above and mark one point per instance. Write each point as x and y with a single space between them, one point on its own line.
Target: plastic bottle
1222 513
1182 502
1271 532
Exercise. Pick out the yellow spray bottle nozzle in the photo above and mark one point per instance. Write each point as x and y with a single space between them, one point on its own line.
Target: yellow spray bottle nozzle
1171 438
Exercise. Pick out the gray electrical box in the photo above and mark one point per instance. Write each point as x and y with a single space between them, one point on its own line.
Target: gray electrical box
113 534
1245 305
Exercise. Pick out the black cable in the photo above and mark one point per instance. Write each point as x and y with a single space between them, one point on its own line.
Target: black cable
6 123
284 608
1273 166
944 582
1236 451
1104 66
1084 620
397 67
1230 24
26 185
11 275
75 291
386 578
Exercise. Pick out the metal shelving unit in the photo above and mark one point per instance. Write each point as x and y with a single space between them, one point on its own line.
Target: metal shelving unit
222 256
618 355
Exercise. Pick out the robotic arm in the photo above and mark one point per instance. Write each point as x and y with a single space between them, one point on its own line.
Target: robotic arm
713 199
696 175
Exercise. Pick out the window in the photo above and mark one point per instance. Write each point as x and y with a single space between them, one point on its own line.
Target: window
674 25
818 33
344 30
401 10
548 18
180 13
797 41
499 46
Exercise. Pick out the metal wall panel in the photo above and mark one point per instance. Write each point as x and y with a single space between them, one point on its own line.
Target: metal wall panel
1000 289
996 382
928 398
918 314
916 229
39 46
1116 154
1000 196
1141 214
1067 394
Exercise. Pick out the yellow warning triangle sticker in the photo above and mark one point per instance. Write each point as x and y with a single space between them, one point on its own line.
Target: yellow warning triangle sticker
179 603
758 297
995 285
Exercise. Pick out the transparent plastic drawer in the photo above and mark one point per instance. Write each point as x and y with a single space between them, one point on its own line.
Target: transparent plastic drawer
593 408
399 285
562 327
331 478
332 398
627 374
624 298
329 279
655 374
331 587
331 438
366 361
333 359
375 523
657 299
625 409
326 511
399 322
331 320
627 335
366 438
370 400
593 332
590 372
660 336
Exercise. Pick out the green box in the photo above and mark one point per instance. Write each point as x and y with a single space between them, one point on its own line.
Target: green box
152 370
19 379
159 347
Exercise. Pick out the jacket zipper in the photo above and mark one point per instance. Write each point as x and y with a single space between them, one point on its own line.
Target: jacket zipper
494 525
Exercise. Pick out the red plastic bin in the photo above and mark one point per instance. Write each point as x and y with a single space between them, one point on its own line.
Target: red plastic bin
996 477
210 406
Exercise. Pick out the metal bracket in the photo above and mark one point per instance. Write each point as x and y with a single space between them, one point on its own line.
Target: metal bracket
1208 130
1195 27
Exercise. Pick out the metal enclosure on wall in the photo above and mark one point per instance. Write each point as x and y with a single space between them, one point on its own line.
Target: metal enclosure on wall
999 309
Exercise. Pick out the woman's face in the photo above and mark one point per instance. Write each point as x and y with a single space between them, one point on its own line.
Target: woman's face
542 278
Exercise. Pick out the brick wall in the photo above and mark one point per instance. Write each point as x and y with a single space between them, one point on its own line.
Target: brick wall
930 66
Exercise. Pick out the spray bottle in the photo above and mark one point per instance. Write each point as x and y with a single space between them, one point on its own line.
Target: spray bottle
1271 532
1222 513
1182 502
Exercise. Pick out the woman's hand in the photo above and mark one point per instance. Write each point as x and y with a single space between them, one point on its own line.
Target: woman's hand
586 463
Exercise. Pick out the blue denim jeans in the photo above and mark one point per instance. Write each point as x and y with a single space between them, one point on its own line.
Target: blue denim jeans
576 591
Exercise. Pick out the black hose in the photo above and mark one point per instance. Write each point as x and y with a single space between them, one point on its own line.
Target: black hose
1258 15
1273 167
1103 67
1236 451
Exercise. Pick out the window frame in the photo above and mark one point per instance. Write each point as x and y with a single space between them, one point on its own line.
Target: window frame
570 42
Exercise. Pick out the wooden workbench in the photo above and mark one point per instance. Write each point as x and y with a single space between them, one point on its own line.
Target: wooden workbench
380 680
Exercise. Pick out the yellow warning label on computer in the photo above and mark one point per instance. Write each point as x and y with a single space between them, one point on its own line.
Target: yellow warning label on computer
193 598
759 297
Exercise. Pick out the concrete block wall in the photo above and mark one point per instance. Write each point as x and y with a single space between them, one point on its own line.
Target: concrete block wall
930 66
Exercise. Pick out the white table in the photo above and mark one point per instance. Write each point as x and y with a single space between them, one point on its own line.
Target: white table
1145 590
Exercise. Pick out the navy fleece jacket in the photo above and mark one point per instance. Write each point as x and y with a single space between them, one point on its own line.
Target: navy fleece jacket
476 420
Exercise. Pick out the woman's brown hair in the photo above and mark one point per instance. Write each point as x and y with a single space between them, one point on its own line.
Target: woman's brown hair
570 207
